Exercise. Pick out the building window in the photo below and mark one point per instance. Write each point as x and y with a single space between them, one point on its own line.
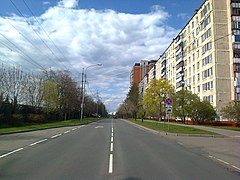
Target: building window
198 65
236 11
207 60
236 24
205 10
206 47
208 98
205 22
207 86
193 69
236 38
192 24
207 73
198 77
198 88
206 35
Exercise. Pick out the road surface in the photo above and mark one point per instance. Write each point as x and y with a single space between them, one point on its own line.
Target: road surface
108 149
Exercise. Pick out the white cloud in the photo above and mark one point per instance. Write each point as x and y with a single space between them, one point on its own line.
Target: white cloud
68 3
87 36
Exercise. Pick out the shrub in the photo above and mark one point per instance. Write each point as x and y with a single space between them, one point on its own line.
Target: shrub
36 118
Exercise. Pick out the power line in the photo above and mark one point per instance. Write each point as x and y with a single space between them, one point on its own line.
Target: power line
31 61
45 44
25 37
48 35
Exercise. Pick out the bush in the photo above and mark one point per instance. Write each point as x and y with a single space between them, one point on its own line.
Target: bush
17 119
36 118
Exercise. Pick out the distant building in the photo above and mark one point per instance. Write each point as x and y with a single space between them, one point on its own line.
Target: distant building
140 70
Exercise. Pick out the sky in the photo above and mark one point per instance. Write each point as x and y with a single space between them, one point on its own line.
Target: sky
75 34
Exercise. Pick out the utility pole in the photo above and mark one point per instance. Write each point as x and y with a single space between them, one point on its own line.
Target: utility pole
82 94
97 103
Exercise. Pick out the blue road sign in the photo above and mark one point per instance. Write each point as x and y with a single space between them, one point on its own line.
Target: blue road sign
168 101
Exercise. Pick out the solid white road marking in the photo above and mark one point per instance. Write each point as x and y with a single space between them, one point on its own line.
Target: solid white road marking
180 143
111 139
111 147
57 135
74 129
236 167
223 161
110 170
4 155
38 142
66 132
112 134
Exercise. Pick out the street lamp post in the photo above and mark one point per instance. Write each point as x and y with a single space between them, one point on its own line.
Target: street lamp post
84 79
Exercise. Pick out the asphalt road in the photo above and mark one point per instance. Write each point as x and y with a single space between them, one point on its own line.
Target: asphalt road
108 149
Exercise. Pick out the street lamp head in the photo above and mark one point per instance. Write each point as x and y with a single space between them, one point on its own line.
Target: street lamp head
99 64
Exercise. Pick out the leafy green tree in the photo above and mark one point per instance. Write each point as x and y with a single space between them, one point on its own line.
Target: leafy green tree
155 96
201 111
232 111
133 100
181 102
50 95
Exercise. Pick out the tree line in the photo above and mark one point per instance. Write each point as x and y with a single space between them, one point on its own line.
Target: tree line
42 97
185 104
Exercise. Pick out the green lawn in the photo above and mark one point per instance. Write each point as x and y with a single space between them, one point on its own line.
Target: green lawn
172 128
71 122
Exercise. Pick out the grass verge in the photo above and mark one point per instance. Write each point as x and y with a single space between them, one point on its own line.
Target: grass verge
172 128
72 122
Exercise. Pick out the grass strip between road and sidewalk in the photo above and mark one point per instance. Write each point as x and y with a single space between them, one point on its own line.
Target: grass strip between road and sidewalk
161 126
72 122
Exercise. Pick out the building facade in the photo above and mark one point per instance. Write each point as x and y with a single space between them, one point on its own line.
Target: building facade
140 70
205 56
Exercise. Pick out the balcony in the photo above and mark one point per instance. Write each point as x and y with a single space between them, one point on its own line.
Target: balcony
236 46
236 60
178 42
178 51
179 79
236 4
179 70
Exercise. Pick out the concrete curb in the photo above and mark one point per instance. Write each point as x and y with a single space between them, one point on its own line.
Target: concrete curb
163 133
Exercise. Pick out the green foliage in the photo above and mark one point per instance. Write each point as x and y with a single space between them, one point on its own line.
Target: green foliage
130 106
50 95
232 111
155 96
201 111
181 103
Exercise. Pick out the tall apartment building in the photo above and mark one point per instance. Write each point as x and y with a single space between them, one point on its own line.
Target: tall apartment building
205 56
140 70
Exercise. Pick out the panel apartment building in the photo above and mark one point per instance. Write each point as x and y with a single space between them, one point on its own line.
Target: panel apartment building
140 70
205 56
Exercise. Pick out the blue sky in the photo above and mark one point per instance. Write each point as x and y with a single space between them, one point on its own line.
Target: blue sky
116 33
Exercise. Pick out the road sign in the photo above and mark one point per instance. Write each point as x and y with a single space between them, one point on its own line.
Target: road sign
168 101
168 109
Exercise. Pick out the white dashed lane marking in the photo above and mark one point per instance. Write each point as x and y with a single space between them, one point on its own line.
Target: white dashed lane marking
4 155
224 162
38 142
57 135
